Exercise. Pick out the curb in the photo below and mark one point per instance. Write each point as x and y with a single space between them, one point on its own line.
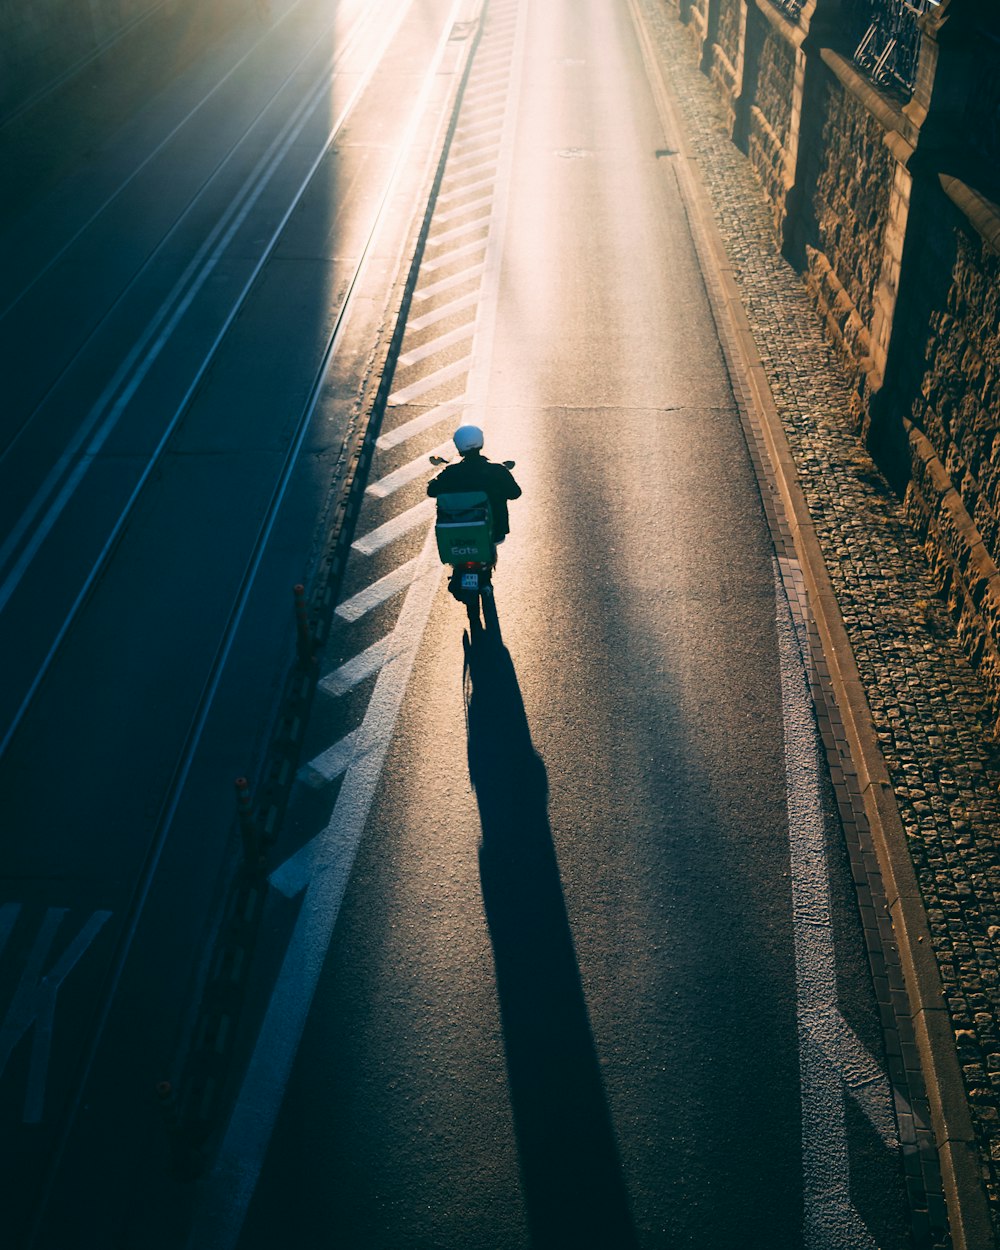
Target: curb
971 1225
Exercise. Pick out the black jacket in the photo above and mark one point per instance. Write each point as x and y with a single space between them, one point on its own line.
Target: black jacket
475 472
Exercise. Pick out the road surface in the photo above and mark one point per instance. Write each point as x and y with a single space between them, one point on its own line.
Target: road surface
562 947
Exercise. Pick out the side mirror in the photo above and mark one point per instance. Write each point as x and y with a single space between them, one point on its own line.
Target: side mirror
507 464
438 460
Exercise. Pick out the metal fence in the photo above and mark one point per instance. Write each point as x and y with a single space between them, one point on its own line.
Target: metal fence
888 39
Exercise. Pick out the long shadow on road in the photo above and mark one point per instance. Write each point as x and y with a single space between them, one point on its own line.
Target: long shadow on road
571 1173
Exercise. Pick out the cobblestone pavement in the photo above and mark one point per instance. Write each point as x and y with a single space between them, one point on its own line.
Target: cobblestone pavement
928 707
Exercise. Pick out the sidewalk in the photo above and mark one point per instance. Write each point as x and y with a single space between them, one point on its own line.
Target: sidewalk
927 706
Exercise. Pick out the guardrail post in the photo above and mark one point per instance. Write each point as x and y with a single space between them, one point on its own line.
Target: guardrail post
248 827
303 633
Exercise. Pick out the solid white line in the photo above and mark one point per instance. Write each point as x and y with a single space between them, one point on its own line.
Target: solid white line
449 258
330 858
377 593
403 433
355 670
440 344
831 1222
446 284
374 541
456 232
331 764
429 383
865 1081
446 310
418 468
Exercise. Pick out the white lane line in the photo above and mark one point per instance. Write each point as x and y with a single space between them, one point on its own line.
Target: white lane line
374 541
456 232
439 344
355 670
831 1222
867 1084
446 310
324 869
480 185
403 433
418 468
449 258
331 764
377 593
447 284
429 383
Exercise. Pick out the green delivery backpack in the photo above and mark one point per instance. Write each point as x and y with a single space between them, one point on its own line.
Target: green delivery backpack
464 528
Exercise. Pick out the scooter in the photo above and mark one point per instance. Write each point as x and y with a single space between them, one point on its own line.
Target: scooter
464 530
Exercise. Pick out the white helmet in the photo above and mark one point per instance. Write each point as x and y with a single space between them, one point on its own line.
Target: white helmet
468 438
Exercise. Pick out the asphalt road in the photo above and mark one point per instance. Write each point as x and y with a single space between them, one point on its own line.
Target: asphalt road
546 960
548 940
171 438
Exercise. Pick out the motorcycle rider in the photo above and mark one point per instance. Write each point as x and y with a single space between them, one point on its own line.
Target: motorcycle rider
477 472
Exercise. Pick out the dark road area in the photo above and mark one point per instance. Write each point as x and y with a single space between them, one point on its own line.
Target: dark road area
560 944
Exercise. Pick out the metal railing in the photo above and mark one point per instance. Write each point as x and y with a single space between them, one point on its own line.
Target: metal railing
790 8
889 39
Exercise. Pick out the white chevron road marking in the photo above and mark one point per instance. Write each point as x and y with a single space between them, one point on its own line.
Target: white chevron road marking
447 258
447 236
388 485
479 185
440 344
402 433
333 763
355 670
447 284
377 593
446 310
374 541
430 382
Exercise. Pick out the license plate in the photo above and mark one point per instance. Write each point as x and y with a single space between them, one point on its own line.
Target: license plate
470 581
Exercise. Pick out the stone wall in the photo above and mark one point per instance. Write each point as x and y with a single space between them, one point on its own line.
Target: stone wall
771 116
887 201
724 57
